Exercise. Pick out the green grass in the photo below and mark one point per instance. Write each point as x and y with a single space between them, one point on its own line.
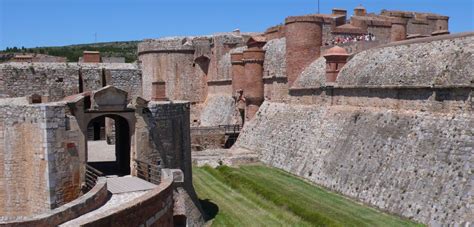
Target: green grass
261 196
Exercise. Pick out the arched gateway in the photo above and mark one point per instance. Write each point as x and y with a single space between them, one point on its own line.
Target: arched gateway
90 110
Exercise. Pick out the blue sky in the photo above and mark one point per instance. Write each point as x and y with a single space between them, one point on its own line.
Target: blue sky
33 23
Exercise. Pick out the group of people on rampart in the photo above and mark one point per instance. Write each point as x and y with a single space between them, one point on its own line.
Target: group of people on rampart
341 39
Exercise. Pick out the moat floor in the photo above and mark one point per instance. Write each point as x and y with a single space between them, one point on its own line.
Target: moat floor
256 195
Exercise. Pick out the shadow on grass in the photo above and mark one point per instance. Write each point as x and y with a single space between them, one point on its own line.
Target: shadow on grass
210 209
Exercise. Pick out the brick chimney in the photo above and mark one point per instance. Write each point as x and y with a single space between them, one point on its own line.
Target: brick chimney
336 58
91 57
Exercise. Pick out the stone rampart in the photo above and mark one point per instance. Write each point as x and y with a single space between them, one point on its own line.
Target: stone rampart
39 158
412 163
446 60
390 133
58 80
154 208
90 201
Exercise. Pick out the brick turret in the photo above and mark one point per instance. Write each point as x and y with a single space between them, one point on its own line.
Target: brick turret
253 91
238 76
303 44
336 58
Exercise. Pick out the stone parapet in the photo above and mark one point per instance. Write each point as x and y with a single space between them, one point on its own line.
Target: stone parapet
154 208
92 200
166 45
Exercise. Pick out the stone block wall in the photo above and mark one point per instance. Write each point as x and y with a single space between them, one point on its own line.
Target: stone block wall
58 80
23 165
170 135
127 80
39 160
45 79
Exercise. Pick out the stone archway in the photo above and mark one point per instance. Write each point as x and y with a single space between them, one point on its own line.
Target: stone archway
107 102
119 163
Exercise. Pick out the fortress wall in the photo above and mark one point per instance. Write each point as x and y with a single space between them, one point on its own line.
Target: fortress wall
169 136
446 60
354 47
381 33
58 80
23 161
127 80
219 110
65 155
39 160
395 131
274 66
45 79
220 67
172 60
421 27
415 163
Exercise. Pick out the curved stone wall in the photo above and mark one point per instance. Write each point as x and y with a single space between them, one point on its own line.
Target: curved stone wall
92 200
155 208
218 110
313 76
449 61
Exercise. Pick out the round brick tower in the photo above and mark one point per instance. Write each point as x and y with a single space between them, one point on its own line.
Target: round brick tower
398 31
303 44
238 76
253 90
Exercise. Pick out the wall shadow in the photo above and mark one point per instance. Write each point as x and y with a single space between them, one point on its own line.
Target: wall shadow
210 209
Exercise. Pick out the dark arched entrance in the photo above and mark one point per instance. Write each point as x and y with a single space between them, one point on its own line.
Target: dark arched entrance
119 163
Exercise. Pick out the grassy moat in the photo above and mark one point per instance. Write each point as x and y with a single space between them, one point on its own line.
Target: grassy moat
256 195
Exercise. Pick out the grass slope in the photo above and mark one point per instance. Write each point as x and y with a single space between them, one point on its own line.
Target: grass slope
263 196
